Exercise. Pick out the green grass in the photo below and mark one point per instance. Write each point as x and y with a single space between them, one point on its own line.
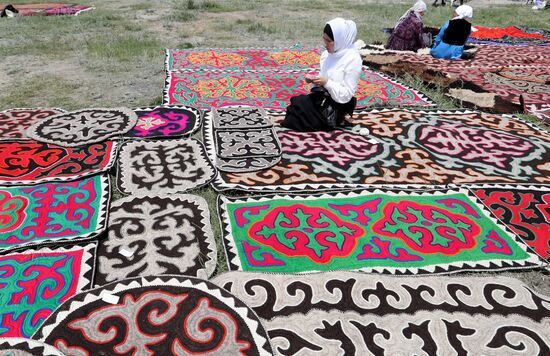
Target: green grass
29 94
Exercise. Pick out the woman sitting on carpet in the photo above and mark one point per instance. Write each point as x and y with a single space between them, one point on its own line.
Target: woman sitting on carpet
407 34
332 96
452 37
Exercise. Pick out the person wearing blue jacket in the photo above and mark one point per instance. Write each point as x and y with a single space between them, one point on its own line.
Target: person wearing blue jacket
452 37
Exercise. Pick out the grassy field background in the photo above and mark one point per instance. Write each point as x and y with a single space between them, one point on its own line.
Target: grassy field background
114 55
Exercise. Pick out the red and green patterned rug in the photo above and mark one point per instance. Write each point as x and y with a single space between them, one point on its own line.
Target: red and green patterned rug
242 59
36 162
511 35
273 90
33 283
383 231
53 212
403 147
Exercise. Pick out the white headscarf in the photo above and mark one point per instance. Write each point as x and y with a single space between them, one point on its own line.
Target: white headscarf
464 12
344 32
417 8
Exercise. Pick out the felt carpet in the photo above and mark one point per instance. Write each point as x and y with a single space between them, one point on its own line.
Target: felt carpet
36 281
49 9
53 212
14 122
239 117
242 59
273 90
382 231
509 83
500 32
508 36
19 346
166 122
169 166
524 209
164 315
82 127
157 235
247 143
243 139
486 56
346 313
403 147
36 162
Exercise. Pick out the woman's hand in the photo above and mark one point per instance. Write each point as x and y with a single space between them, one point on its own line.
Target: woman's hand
321 81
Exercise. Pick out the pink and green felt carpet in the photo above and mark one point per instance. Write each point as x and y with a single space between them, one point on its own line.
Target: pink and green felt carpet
33 283
403 147
394 232
53 212
242 59
273 90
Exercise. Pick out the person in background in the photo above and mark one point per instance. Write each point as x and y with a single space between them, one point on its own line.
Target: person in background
332 96
452 37
407 34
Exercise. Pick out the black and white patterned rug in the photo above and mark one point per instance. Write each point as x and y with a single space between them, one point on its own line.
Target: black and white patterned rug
82 127
346 313
163 167
240 117
253 143
241 139
163 315
157 235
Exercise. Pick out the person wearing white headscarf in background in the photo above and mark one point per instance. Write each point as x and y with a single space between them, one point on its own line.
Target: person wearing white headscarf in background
407 34
452 37
335 85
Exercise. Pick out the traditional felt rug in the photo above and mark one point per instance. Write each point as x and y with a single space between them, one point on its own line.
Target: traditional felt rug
239 117
249 164
157 235
383 231
53 212
501 32
487 56
19 346
14 122
247 143
169 166
164 315
82 127
509 83
273 90
36 162
525 209
50 9
239 59
346 313
166 122
403 147
36 281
